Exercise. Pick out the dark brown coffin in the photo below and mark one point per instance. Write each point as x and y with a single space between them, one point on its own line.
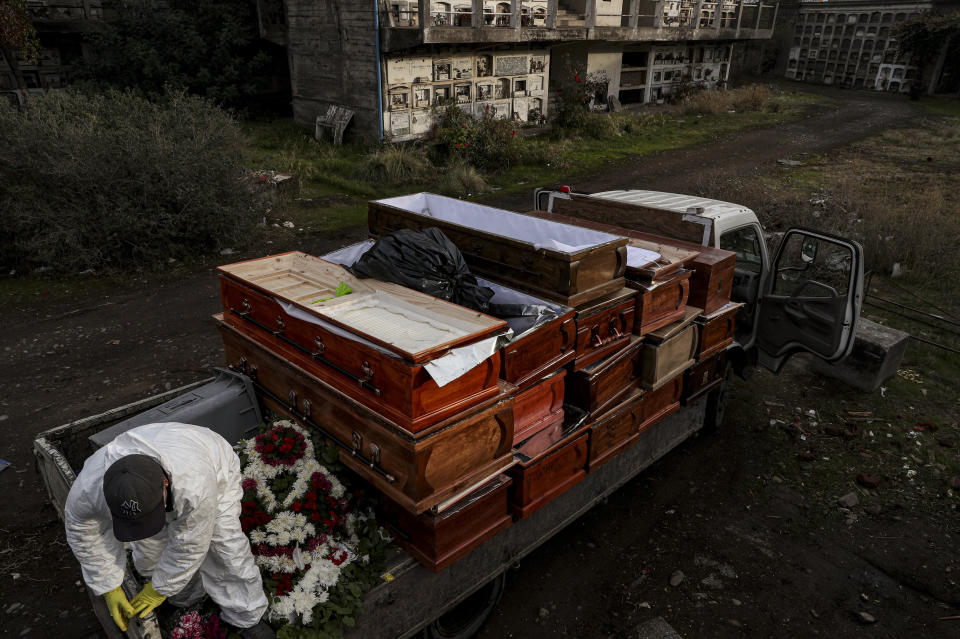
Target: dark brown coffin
514 258
703 377
669 350
717 330
538 406
437 540
604 327
539 350
660 303
615 431
548 464
660 402
417 470
601 386
712 280
391 382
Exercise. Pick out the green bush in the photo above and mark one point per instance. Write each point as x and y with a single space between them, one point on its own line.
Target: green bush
396 164
116 180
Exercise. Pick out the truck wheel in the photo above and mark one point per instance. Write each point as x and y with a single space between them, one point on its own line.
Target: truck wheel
717 402
466 618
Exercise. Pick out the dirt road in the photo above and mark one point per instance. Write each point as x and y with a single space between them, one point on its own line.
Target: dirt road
699 511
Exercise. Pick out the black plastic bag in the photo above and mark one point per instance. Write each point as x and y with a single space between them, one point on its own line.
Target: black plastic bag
426 261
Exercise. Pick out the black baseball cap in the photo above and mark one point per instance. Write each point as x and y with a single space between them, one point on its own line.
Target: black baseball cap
133 488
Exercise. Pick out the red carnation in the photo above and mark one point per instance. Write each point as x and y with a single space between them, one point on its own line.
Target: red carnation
297 506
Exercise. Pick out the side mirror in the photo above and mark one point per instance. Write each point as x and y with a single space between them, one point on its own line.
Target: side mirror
808 250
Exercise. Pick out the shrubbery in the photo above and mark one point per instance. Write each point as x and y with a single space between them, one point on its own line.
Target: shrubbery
116 180
754 97
487 143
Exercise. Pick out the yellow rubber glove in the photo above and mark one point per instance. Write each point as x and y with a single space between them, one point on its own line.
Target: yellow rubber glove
120 609
146 600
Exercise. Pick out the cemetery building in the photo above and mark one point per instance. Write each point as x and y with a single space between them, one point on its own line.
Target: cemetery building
391 61
851 43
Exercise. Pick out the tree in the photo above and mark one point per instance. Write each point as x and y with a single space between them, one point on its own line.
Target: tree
926 37
17 37
207 47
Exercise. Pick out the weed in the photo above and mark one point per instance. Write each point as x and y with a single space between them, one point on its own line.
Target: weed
396 164
462 180
754 97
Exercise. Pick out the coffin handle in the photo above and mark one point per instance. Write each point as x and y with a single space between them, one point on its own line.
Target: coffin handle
564 336
621 261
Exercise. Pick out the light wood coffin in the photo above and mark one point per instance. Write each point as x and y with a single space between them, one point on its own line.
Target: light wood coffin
372 344
601 386
548 464
417 470
660 303
717 330
703 377
539 345
538 406
712 279
559 262
437 540
669 350
604 327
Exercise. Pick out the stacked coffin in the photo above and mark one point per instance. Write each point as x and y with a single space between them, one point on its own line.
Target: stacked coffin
362 367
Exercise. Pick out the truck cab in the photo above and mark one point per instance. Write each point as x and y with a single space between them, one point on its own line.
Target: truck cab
806 298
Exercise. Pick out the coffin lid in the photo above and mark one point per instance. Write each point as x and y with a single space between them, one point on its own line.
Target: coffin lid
672 330
723 310
598 368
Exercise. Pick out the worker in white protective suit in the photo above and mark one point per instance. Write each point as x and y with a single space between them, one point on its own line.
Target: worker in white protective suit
173 491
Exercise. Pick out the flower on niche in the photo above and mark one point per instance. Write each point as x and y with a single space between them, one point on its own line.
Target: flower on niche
514 134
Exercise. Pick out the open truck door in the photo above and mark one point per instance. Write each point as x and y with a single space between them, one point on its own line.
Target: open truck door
811 298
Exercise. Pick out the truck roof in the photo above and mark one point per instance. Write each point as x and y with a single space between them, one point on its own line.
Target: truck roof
676 202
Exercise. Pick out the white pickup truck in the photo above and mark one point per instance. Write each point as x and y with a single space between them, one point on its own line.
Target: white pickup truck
787 311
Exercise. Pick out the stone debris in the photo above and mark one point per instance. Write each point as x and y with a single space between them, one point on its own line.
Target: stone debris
676 578
867 618
849 500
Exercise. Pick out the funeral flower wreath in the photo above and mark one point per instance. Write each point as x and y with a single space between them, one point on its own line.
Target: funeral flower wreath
316 542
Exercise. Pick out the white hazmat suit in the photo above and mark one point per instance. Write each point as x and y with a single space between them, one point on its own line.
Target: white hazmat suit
202 533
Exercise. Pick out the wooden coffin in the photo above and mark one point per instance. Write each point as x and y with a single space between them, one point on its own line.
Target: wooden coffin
618 429
373 344
601 386
669 350
538 406
604 327
417 470
703 377
555 261
712 279
537 347
548 464
660 303
615 431
437 540
649 261
717 330
661 401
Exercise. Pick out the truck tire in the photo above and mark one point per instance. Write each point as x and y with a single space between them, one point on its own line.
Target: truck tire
467 617
716 405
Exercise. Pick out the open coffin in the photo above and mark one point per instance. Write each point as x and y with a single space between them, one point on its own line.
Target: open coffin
555 261
381 344
540 343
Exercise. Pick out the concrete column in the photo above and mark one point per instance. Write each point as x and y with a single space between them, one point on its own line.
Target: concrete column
658 14
739 15
776 9
476 14
634 13
425 14
515 14
937 67
717 13
590 19
759 13
551 14
697 9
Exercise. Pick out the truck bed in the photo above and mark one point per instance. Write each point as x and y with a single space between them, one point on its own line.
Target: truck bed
415 597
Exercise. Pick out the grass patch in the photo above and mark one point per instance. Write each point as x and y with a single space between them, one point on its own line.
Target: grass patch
941 106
